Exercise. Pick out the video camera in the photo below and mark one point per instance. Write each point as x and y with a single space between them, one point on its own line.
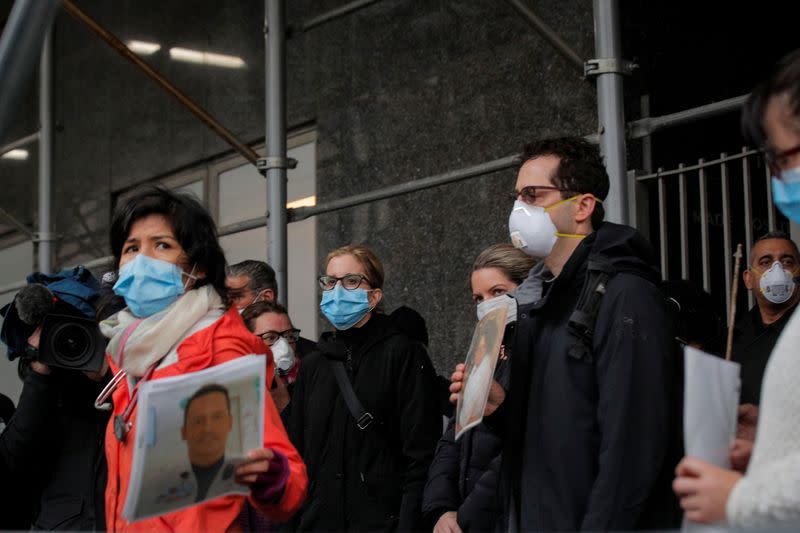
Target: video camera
63 305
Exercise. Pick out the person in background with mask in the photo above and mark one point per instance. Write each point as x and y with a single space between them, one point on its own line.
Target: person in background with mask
254 281
765 496
771 277
250 281
171 276
460 492
270 321
586 420
367 469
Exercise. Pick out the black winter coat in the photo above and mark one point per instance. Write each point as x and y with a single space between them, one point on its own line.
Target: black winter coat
55 442
461 478
372 479
586 436
753 342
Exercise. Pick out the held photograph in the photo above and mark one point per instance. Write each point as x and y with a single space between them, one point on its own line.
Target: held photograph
193 431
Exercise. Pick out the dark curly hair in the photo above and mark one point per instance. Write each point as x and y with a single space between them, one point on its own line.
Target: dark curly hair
193 227
580 169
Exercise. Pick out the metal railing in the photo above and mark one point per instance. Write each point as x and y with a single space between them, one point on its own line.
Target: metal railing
721 202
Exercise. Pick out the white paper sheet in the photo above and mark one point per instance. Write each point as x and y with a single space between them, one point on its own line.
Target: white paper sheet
711 399
170 451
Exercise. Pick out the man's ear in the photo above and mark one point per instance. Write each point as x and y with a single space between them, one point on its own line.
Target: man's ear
183 432
267 295
585 208
749 279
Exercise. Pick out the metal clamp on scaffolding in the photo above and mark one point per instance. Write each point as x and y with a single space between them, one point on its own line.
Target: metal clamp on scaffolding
263 164
44 236
608 65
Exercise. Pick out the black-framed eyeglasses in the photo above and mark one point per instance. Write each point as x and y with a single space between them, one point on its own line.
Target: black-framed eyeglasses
271 337
530 193
778 160
349 281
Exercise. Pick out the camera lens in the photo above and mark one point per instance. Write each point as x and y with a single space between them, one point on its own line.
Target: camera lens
72 344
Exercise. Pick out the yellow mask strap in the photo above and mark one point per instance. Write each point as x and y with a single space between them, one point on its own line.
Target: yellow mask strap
549 207
570 235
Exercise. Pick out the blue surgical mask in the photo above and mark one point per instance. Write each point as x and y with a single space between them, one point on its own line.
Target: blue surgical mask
786 193
150 285
344 308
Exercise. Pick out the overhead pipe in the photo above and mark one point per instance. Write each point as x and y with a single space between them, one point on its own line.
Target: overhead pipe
20 48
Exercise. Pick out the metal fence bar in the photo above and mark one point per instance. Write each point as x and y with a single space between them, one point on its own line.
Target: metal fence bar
662 227
684 227
712 163
704 241
748 214
726 227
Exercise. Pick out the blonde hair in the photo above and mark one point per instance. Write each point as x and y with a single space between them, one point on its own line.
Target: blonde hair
512 262
373 268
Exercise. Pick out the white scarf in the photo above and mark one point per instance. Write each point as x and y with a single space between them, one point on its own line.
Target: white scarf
156 335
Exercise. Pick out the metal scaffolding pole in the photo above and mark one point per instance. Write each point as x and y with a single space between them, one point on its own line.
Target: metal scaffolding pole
45 236
275 163
20 46
610 110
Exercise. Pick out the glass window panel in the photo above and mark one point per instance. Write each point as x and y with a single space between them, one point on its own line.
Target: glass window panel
250 244
242 195
194 188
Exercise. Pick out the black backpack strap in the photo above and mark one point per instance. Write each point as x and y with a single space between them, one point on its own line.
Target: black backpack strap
362 417
584 317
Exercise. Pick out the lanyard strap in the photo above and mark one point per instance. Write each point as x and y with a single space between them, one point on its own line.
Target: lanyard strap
101 402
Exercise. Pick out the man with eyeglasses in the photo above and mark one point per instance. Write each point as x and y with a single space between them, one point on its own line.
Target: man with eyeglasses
586 419
270 321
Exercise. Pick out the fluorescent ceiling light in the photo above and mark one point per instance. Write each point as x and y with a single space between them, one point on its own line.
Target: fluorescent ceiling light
308 201
207 58
144 48
17 154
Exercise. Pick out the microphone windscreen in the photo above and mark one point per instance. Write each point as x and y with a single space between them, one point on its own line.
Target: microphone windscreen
33 303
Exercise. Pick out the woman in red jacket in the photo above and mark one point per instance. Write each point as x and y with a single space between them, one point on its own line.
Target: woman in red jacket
171 275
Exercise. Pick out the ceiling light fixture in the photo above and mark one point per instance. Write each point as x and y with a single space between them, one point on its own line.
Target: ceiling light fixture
16 154
144 48
207 58
308 201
